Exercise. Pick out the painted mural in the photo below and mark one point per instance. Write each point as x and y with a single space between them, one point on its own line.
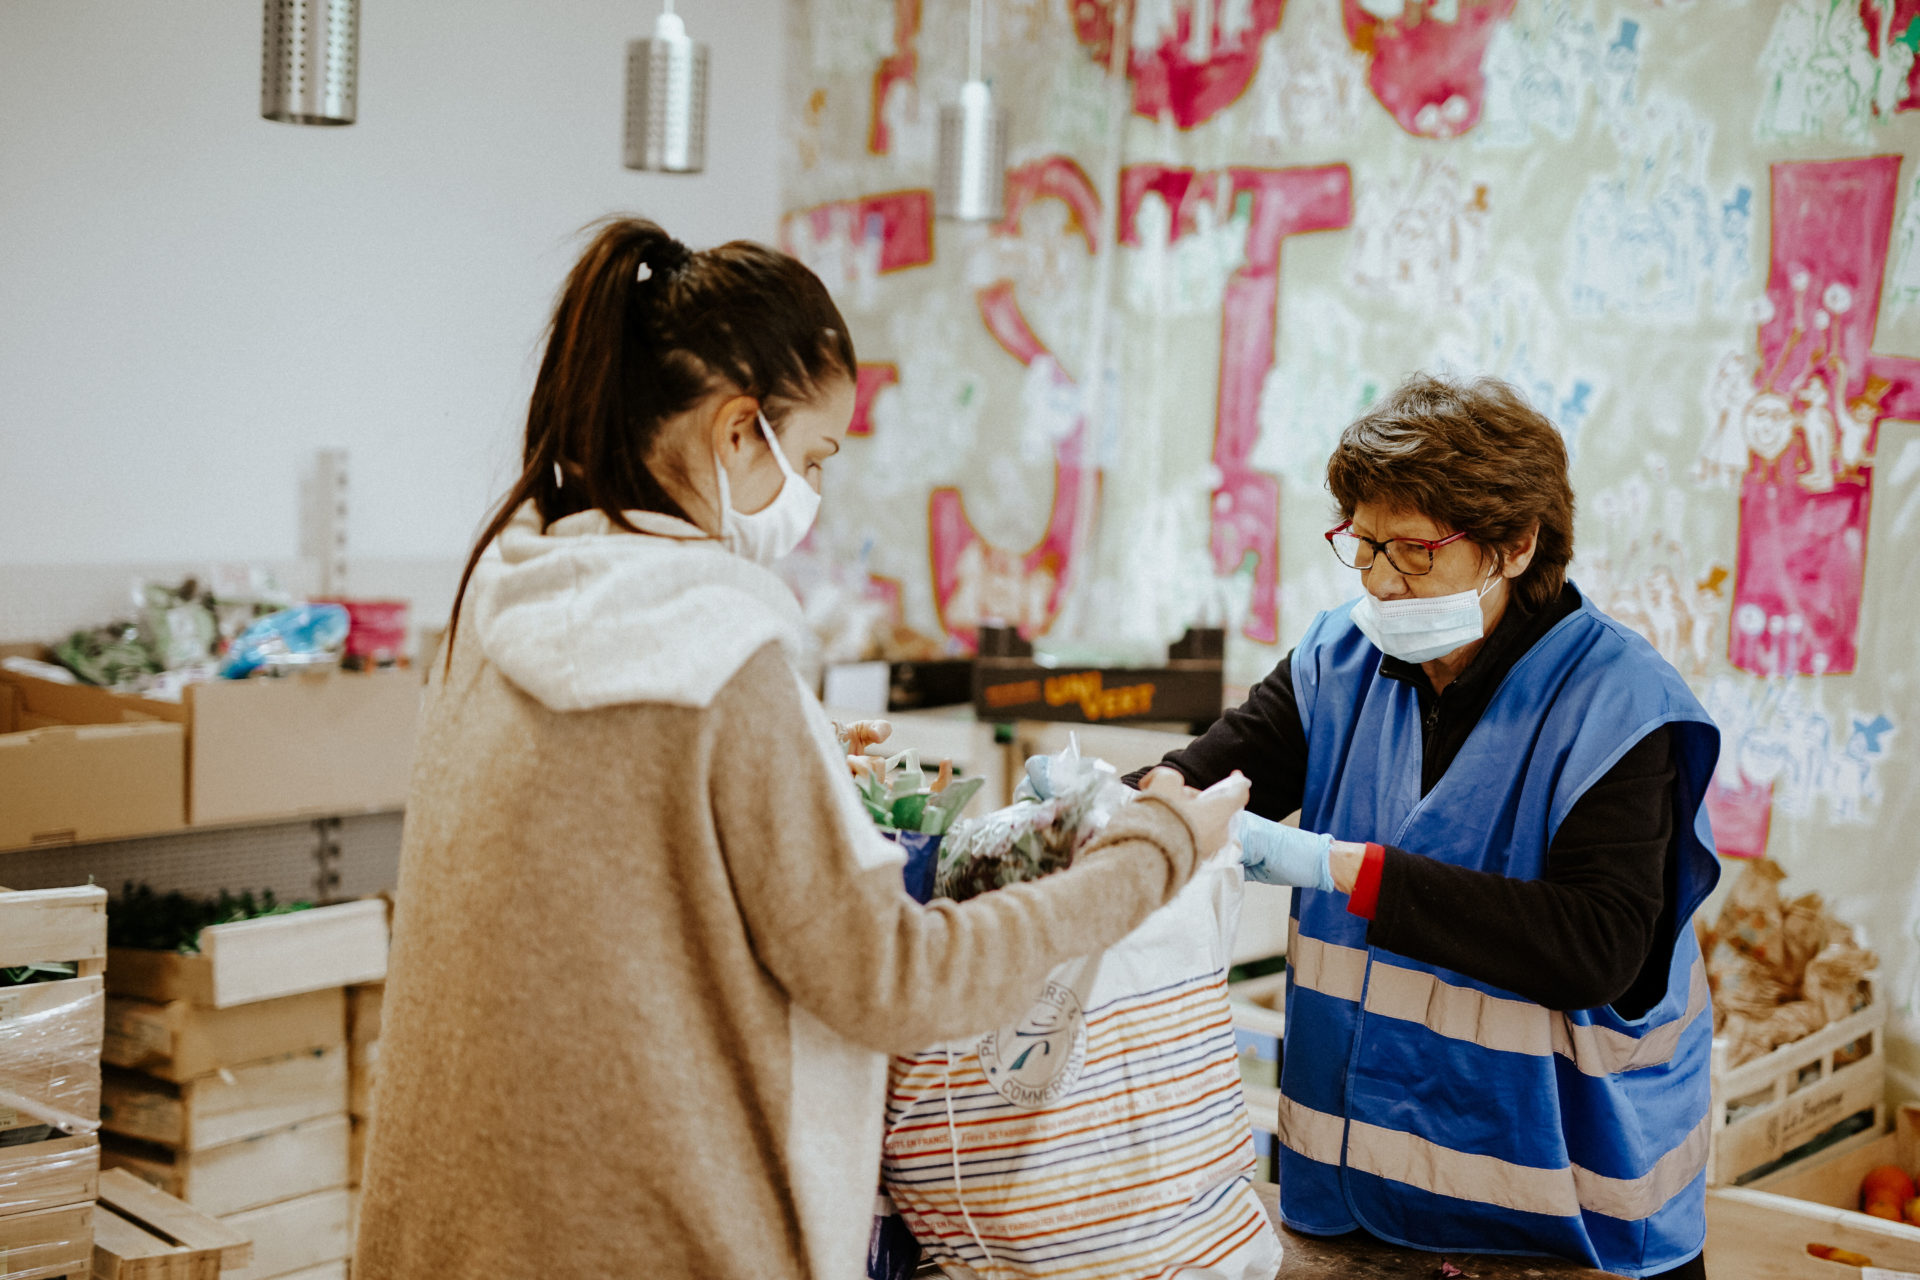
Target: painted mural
1688 230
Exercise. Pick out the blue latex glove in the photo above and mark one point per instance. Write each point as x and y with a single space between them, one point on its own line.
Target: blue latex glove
1275 854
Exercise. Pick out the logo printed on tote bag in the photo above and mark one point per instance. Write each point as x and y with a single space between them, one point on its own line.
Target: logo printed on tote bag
1038 1060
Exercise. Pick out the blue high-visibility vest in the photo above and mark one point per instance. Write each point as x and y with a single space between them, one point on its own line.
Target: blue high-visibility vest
1443 1113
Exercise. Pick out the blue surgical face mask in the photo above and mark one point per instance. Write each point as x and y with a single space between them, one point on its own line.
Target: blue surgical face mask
770 534
1422 628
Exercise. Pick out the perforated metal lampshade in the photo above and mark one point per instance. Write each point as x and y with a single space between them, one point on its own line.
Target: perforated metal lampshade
970 182
310 61
667 100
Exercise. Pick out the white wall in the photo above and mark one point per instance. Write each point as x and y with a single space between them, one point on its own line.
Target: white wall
193 300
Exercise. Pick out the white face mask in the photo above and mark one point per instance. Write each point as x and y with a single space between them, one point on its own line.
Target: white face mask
1422 628
770 534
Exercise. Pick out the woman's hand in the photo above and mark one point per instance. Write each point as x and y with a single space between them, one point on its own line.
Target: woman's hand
1209 813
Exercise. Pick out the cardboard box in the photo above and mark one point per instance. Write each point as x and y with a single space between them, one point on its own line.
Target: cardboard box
295 1235
250 1174
49 1244
74 768
262 959
264 749
244 1102
181 1041
142 1233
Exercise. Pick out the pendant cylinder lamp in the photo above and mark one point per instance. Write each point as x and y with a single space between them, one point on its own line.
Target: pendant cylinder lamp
667 99
310 61
971 179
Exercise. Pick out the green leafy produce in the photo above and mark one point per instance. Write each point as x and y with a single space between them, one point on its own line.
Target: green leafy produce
899 797
151 921
28 974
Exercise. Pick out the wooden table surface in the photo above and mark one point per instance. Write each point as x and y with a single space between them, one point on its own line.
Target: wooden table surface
1361 1257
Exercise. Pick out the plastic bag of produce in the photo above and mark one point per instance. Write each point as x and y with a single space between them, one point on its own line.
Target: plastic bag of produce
1104 1134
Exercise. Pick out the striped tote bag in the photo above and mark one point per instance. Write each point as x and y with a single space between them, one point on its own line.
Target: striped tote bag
1104 1136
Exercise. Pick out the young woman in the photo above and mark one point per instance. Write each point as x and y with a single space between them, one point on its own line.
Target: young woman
649 953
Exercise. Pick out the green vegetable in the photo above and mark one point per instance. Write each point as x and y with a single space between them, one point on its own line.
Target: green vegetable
898 797
152 921
28 974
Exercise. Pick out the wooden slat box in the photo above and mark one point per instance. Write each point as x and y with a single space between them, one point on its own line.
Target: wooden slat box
296 1161
46 1175
244 1102
1806 1088
261 959
296 1235
50 1032
47 1244
1761 1232
142 1233
180 1041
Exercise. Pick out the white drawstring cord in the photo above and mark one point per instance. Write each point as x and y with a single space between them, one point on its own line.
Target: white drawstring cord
953 1148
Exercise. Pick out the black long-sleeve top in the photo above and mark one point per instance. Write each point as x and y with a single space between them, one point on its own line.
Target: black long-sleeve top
1598 926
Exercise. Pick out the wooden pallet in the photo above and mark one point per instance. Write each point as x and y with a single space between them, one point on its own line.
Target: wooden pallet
142 1233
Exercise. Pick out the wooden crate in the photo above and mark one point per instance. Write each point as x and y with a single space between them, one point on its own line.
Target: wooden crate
142 1233
35 1176
296 1161
1802 1092
261 959
244 1102
57 1082
357 1153
48 1243
1761 1232
63 925
296 1235
180 1041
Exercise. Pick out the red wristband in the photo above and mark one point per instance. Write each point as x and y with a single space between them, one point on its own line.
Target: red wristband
1366 886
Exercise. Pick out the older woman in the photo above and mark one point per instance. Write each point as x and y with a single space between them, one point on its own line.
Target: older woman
1497 1021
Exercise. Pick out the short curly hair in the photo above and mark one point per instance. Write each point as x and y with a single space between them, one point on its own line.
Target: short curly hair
1471 456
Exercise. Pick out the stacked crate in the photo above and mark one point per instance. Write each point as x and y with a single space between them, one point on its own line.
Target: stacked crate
50 1034
228 1078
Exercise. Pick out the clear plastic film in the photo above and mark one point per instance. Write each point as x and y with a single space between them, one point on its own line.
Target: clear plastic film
47 1242
50 1034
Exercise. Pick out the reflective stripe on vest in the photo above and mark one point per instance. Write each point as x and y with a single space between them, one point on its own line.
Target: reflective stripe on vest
1492 1022
1557 1193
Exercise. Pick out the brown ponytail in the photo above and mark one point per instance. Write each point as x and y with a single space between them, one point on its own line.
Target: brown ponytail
625 355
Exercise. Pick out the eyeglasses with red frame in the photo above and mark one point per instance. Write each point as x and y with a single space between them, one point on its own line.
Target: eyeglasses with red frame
1412 557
